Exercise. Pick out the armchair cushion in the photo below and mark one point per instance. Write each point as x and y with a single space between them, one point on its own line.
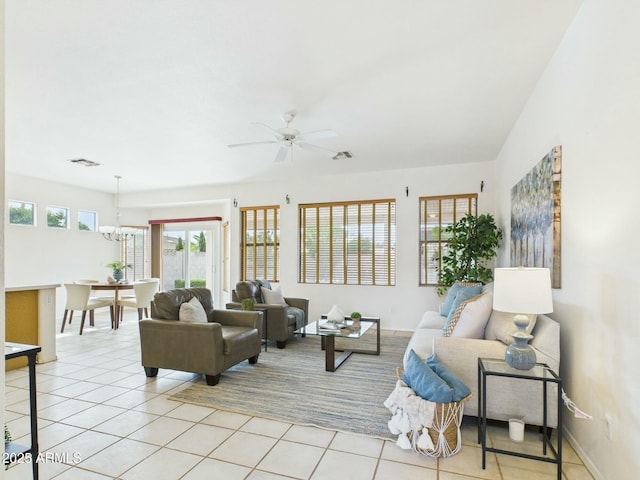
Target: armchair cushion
192 311
272 296
166 305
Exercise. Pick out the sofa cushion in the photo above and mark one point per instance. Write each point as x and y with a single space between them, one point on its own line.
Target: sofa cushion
471 317
425 382
501 326
431 319
460 390
192 311
475 288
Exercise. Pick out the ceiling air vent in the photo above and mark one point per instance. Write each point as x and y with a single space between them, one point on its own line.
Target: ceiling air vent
85 162
342 155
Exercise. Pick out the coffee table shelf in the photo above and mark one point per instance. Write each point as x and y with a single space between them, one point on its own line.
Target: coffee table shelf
328 340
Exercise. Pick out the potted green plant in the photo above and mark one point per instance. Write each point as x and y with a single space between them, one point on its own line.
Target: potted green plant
355 316
474 242
247 304
118 266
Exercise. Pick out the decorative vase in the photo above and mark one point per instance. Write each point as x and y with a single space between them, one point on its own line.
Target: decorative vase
519 354
117 276
335 315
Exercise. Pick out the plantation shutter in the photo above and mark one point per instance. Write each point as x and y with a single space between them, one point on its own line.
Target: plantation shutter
350 243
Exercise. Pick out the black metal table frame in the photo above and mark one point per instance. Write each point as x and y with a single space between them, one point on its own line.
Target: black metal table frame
328 343
12 449
483 373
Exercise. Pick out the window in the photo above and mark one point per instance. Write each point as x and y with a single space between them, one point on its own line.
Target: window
436 213
348 243
260 248
134 251
57 217
87 221
22 213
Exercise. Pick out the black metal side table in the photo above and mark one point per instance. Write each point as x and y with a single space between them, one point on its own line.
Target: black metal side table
15 452
541 372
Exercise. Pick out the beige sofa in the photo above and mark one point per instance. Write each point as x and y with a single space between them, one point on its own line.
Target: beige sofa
507 398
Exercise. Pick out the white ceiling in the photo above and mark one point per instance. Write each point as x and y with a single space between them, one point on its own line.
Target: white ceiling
155 90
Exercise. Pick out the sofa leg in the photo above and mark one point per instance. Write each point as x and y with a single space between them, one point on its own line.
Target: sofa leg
281 343
253 360
151 371
212 379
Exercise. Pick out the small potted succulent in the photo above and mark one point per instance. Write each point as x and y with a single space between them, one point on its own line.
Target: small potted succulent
356 316
118 266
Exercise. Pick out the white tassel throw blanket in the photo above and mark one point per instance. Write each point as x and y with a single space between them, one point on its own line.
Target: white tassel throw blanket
428 428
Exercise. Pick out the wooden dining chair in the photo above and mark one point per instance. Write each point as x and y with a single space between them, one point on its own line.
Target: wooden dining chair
79 299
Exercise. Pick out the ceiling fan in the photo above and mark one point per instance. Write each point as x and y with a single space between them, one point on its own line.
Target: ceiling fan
289 137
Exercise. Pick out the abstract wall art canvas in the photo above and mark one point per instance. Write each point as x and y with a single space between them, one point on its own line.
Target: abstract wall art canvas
535 216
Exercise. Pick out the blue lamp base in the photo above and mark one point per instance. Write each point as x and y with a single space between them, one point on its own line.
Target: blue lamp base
519 354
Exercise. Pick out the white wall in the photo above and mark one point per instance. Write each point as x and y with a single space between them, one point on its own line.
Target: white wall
401 306
3 213
588 101
43 255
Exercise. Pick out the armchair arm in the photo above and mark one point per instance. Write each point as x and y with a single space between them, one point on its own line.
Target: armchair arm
191 347
301 303
237 318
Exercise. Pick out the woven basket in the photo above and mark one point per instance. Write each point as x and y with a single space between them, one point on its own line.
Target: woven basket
444 431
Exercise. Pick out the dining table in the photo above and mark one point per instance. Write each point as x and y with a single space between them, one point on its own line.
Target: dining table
116 287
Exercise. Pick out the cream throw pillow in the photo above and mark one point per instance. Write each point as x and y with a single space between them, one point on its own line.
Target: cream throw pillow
273 297
471 317
501 326
192 311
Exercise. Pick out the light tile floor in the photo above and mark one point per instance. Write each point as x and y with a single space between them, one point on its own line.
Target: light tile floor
103 419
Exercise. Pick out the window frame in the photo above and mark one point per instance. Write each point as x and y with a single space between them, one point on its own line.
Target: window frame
269 223
337 264
66 217
95 220
425 222
34 222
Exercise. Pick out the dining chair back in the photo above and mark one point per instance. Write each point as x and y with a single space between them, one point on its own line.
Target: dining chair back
144 292
79 299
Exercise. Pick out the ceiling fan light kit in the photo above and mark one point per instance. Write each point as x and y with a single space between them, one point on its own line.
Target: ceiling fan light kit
288 137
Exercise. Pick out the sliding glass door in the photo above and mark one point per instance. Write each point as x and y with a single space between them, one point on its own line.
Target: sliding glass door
186 260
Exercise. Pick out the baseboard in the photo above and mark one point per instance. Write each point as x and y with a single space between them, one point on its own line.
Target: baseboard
593 470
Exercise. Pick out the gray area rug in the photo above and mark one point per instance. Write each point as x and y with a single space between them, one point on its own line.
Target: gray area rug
291 385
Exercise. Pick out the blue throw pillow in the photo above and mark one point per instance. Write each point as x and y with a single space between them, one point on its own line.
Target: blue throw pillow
462 296
425 382
452 294
460 390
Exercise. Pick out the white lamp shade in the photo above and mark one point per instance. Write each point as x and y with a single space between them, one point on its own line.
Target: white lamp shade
522 290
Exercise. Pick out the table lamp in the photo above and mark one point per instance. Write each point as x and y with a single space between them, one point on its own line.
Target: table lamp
522 291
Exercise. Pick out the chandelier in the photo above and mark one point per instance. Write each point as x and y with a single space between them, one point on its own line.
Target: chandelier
117 233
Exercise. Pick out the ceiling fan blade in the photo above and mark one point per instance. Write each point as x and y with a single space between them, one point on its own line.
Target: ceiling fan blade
267 127
282 154
314 148
233 145
317 134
